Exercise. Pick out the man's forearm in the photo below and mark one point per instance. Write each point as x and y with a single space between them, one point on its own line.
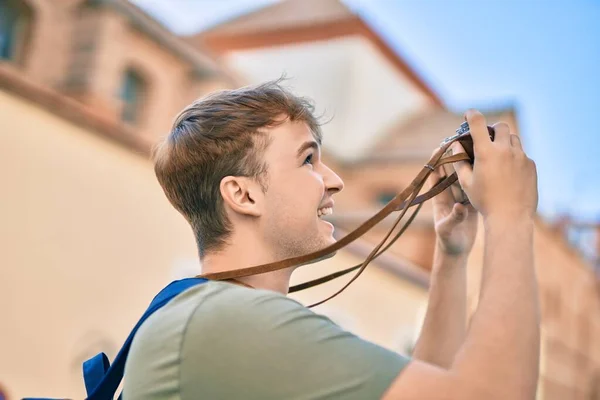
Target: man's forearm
502 345
444 327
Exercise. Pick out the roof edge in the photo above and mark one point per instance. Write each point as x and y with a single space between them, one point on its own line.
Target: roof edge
320 31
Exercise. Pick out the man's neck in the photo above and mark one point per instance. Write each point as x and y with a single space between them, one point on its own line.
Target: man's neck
277 281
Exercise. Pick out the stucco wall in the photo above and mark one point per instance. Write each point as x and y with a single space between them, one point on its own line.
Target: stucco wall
87 239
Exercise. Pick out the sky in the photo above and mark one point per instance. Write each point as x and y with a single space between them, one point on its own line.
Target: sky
540 57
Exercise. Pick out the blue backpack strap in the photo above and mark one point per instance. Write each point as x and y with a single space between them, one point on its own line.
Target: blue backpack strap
94 370
103 379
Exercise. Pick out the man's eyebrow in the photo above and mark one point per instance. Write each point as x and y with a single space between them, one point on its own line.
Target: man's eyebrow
307 145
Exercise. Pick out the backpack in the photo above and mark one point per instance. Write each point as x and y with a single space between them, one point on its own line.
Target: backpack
101 378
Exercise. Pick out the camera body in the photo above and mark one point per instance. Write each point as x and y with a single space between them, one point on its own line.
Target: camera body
463 133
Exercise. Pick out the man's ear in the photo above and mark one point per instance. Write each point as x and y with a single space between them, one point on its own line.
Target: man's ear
242 194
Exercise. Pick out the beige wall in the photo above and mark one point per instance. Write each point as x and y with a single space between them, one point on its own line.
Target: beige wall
88 238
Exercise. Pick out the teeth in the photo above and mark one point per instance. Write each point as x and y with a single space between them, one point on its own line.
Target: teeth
324 211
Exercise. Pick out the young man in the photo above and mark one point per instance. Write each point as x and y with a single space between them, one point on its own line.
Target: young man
244 168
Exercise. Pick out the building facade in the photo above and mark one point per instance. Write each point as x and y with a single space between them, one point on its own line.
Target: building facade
87 87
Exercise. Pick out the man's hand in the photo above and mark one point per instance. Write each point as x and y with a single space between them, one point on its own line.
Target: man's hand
499 357
503 181
455 223
444 328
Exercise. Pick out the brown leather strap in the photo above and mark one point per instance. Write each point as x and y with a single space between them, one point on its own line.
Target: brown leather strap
402 202
436 190
417 185
338 274
397 203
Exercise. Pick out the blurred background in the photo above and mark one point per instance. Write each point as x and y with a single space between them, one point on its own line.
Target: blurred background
87 87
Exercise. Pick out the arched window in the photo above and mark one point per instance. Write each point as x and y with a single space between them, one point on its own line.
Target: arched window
15 19
133 92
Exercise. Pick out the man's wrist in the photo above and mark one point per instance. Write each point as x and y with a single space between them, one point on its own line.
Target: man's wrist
502 221
444 251
446 261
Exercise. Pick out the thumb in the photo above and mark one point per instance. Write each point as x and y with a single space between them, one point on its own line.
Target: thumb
459 213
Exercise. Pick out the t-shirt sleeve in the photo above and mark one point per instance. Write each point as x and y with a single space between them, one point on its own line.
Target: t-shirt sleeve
250 344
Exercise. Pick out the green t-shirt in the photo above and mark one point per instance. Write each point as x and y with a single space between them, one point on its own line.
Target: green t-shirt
223 341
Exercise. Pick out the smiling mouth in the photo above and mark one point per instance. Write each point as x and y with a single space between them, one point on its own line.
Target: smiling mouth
321 212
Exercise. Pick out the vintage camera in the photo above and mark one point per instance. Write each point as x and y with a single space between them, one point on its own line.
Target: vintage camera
464 134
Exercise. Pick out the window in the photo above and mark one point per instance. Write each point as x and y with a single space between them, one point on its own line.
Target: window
133 91
14 21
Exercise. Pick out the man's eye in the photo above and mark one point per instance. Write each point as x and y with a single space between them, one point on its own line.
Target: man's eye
308 159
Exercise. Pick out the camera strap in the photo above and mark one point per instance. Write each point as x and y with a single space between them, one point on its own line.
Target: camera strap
406 199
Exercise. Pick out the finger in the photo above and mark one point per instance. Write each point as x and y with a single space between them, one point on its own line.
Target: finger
442 202
459 213
470 209
435 178
502 132
479 132
457 148
464 170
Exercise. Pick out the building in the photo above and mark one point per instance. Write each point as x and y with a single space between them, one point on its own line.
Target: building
86 89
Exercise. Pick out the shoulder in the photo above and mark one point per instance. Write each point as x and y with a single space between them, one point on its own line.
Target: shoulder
224 302
227 309
218 340
243 315
279 348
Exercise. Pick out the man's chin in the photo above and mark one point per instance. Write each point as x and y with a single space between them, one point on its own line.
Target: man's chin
325 240
328 240
328 225
325 257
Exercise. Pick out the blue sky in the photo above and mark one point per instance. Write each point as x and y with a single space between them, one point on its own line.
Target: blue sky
541 57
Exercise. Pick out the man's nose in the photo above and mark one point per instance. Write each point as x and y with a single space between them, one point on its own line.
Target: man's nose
333 182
